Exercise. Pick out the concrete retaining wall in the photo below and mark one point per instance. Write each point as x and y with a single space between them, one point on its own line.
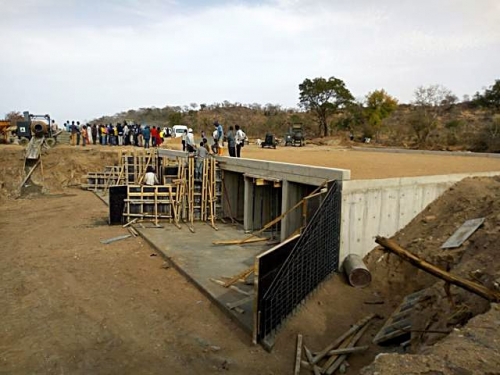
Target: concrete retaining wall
383 207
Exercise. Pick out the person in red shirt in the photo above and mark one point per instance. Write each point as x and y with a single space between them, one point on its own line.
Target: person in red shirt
154 135
159 139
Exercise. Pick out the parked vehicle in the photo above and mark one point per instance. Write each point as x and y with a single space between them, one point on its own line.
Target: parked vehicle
178 130
270 141
295 136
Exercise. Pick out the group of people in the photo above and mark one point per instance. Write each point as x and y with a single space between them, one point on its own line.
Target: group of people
114 135
146 136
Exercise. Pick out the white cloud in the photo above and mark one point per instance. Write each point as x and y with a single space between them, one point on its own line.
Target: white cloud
106 57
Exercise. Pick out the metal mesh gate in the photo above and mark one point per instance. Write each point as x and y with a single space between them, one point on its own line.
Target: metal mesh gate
294 269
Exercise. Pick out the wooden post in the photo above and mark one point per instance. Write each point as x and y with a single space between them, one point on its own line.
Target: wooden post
361 323
418 262
298 354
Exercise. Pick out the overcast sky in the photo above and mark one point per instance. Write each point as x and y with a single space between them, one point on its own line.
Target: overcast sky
83 59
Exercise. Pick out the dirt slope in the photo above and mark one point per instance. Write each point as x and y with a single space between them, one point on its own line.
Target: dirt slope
477 259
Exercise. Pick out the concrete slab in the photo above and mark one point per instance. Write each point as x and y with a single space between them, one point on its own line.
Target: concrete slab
194 255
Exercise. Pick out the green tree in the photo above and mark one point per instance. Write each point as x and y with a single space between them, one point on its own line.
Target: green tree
490 98
174 118
324 98
379 105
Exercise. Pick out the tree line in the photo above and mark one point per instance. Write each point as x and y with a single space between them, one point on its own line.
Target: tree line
435 118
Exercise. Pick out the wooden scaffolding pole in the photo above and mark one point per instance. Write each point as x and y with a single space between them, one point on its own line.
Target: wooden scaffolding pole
480 290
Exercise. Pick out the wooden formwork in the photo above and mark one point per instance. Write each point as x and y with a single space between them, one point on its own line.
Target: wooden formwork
156 202
180 196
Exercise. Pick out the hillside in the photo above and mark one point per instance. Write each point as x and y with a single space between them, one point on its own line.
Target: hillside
461 126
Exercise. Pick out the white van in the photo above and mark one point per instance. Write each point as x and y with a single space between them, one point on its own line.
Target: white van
178 130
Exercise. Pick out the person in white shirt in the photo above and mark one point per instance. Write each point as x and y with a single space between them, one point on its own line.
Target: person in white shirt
150 177
190 145
239 138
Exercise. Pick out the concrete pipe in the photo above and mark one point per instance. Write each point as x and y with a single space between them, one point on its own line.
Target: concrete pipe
39 128
356 271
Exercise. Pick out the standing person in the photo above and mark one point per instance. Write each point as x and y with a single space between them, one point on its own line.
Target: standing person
103 135
220 132
231 142
205 144
93 131
161 135
109 134
136 135
240 140
150 177
73 131
190 145
215 145
201 154
54 127
85 135
146 135
183 140
119 130
126 134
89 134
78 131
154 136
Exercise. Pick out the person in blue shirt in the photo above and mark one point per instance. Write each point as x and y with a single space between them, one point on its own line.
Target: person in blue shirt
146 135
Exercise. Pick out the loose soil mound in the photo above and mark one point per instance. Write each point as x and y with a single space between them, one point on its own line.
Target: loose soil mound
476 259
63 167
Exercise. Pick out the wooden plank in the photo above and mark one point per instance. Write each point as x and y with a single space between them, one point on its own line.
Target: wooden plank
242 275
335 365
348 350
463 233
130 223
298 355
232 305
277 219
29 173
309 356
361 323
114 239
480 290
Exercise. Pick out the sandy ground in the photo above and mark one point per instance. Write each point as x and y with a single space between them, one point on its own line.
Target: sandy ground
71 305
370 165
367 164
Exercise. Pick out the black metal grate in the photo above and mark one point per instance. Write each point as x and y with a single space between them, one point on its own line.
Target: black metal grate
289 275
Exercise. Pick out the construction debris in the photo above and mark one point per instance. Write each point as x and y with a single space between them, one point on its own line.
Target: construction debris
298 354
480 290
463 233
114 239
337 352
399 323
356 271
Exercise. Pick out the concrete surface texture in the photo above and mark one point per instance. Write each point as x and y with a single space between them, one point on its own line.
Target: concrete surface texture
199 260
383 207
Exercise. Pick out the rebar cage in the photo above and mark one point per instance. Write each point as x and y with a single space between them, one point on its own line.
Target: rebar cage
289 273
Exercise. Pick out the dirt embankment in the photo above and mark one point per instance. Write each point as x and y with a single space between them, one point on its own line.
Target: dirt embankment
471 347
63 166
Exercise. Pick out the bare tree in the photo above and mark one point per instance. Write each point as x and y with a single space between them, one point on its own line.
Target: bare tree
429 104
